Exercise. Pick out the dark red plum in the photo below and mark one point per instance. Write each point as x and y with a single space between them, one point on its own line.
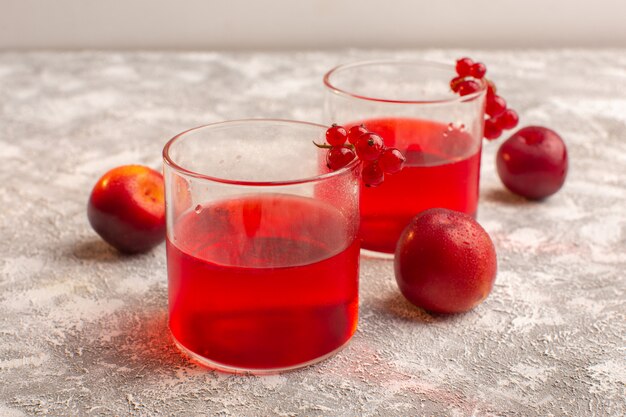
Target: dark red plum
533 162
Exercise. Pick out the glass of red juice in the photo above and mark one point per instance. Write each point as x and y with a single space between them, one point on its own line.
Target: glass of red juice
410 104
262 246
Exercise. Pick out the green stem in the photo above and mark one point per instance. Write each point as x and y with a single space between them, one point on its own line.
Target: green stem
327 146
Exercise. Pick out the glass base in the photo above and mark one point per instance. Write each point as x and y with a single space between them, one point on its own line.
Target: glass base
377 255
217 366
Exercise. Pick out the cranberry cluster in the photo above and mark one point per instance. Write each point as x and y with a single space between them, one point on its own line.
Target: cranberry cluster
369 147
499 117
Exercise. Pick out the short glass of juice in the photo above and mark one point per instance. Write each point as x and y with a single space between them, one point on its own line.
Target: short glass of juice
411 105
262 246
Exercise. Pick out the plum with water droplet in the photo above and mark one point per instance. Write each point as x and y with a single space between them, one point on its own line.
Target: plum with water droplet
445 262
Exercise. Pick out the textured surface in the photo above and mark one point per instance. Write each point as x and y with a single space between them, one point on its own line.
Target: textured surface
83 329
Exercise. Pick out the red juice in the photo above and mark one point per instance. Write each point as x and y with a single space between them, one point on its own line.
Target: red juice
442 170
263 282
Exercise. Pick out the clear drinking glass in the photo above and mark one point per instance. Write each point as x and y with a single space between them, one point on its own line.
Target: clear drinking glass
410 104
262 248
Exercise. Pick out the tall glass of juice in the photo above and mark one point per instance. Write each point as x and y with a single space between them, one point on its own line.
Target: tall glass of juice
262 246
410 104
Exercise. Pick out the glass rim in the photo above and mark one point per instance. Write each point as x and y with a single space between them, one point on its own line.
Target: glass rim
316 178
453 99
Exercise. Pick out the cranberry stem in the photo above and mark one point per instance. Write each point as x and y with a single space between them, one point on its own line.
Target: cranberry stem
327 146
322 146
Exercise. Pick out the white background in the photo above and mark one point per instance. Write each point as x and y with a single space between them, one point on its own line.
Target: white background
310 24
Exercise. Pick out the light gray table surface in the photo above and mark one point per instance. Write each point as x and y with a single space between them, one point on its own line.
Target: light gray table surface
83 330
